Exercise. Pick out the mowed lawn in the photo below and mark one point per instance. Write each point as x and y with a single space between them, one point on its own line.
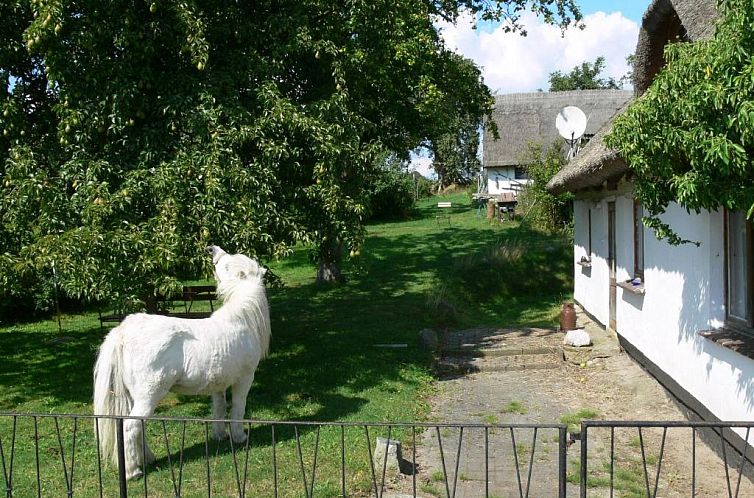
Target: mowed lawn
327 362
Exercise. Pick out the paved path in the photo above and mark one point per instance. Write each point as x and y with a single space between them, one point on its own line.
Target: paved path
610 384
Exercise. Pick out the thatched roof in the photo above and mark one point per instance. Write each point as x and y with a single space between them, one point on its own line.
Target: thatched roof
594 165
525 117
664 21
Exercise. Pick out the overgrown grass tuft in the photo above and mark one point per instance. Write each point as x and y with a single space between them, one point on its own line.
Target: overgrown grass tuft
574 419
516 406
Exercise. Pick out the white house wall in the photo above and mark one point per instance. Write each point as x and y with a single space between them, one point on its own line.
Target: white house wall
503 179
684 294
591 283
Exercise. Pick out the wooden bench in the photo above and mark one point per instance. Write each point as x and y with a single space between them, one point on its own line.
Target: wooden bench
444 208
195 293
189 295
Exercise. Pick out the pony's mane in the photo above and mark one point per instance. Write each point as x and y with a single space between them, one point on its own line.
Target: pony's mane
244 297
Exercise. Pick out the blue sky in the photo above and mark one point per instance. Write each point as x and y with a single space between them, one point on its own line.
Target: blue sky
633 9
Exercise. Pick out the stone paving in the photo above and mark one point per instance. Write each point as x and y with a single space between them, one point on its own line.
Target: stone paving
609 383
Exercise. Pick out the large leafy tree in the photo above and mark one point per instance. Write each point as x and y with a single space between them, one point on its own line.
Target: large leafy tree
583 77
690 138
455 147
135 133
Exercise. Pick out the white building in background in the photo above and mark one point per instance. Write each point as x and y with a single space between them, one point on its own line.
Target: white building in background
686 313
523 118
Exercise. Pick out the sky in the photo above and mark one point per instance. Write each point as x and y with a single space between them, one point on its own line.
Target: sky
511 63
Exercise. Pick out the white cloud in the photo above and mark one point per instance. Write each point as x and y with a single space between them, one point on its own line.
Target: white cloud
512 63
423 165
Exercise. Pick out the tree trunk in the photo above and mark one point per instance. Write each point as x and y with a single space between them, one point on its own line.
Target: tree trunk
329 273
328 270
150 303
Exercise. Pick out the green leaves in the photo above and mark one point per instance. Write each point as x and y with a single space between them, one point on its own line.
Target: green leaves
137 133
690 137
584 77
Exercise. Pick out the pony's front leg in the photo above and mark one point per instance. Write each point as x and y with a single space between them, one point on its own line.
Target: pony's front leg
219 407
238 410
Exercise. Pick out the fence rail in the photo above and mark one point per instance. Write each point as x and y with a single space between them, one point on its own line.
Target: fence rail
59 455
724 444
55 455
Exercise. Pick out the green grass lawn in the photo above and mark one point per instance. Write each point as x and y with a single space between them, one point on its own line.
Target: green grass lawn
324 364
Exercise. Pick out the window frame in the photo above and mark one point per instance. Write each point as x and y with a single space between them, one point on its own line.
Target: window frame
589 237
746 324
638 213
520 173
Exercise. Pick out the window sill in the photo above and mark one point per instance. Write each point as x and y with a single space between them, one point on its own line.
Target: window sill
731 339
633 289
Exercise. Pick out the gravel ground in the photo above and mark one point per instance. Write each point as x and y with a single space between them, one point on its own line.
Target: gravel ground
612 387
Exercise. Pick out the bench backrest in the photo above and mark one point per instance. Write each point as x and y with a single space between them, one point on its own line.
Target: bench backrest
199 293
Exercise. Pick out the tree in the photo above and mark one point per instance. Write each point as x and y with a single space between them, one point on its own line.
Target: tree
134 134
584 77
628 78
455 149
690 138
391 189
541 208
455 154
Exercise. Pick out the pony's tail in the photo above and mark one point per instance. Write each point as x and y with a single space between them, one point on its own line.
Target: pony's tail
110 393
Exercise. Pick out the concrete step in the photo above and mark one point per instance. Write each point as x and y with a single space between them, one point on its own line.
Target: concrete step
499 363
475 351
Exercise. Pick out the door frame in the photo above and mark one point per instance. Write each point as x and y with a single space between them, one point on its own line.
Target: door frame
611 263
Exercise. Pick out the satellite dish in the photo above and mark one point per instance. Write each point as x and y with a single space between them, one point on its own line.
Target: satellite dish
571 123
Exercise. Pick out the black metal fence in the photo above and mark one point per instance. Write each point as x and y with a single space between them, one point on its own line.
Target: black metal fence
59 455
636 458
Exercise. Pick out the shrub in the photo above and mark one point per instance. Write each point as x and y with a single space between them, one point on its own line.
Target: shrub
391 194
539 207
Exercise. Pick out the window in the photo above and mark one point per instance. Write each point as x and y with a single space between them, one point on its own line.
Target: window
739 270
519 173
638 240
589 239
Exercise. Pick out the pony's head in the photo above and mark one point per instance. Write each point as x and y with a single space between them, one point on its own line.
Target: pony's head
231 268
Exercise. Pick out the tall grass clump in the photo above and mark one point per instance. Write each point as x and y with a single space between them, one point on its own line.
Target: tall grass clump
514 278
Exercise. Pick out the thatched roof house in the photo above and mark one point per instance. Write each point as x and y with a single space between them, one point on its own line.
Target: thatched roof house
525 117
664 22
684 312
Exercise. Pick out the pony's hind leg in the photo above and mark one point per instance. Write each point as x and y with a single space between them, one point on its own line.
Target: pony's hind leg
219 407
238 409
133 428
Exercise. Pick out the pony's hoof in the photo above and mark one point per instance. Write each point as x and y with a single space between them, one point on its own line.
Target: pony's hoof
134 474
239 438
219 436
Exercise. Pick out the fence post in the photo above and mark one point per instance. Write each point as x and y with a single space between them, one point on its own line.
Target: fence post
562 447
121 458
584 444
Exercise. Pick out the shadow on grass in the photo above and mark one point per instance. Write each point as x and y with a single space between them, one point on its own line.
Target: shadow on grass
326 361
41 366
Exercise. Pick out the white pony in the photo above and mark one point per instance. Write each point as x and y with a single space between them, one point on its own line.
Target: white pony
148 355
